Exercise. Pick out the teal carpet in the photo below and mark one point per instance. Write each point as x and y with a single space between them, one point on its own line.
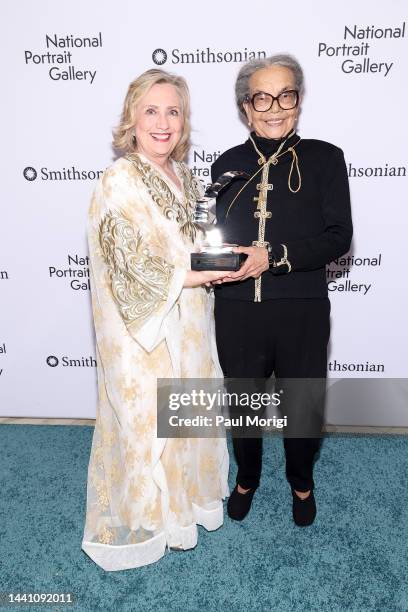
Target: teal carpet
354 558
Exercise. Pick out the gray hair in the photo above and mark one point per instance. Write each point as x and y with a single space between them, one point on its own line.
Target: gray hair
245 73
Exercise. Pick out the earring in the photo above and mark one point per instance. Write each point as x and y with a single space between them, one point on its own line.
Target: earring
134 140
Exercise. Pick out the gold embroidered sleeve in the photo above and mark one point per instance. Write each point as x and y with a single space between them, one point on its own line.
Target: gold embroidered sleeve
139 280
172 208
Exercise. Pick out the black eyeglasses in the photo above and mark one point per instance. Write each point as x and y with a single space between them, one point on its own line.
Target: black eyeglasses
263 102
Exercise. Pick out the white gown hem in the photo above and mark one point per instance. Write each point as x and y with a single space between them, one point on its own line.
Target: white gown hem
113 558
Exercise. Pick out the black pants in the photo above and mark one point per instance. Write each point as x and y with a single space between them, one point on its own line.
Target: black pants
287 337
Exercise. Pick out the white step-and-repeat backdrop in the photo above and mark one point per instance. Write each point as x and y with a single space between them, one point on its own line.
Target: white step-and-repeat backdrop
65 71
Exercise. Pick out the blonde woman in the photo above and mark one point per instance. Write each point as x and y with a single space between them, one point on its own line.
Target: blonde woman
153 320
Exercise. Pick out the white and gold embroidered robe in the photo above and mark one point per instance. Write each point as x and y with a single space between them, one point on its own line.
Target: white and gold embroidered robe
146 493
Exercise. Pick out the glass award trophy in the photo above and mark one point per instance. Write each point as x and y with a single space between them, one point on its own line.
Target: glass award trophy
214 254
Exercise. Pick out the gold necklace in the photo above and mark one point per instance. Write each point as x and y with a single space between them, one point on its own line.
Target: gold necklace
273 159
275 156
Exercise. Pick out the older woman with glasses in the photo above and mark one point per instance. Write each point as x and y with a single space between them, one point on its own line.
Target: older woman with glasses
292 217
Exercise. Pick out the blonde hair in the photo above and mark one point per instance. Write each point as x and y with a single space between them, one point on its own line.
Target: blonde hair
123 135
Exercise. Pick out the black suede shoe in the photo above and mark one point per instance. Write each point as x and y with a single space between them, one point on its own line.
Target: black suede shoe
304 510
239 504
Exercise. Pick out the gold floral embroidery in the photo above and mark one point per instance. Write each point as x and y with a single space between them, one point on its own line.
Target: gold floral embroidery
125 504
173 474
192 490
162 195
153 513
130 458
102 494
175 506
98 455
136 490
106 536
141 426
207 464
109 350
147 455
139 280
129 393
115 474
108 438
192 186
193 337
98 313
151 421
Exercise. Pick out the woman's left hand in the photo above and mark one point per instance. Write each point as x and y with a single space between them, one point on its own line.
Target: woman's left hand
256 263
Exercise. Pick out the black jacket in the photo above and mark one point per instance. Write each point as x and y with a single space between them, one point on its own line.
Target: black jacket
315 223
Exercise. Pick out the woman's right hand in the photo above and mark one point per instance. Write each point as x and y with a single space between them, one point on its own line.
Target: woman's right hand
195 278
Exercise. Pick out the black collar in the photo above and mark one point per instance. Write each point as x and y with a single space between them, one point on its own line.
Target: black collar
269 146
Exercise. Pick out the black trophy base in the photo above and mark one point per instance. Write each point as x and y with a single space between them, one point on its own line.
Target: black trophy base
230 262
